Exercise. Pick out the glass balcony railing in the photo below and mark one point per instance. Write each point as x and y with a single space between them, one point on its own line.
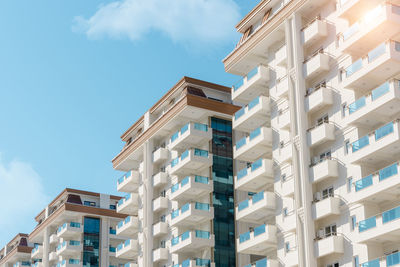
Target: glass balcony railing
35 248
252 135
375 94
255 133
199 262
364 183
112 249
124 177
258 197
257 231
249 76
113 231
243 204
71 224
186 207
124 199
124 222
387 216
249 107
22 263
254 199
378 133
186 235
354 67
197 152
376 52
244 237
259 263
185 128
242 173
351 31
123 245
70 242
382 174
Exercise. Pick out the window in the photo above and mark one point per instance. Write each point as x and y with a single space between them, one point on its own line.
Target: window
323 119
344 108
325 155
346 147
285 212
113 207
283 178
162 218
162 193
328 192
287 247
349 184
89 203
353 222
91 242
336 264
330 230
356 261
162 244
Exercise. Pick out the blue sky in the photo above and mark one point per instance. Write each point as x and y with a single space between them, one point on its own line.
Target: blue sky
74 75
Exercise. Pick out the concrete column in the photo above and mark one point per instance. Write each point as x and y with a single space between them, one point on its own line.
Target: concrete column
306 234
46 247
104 242
147 201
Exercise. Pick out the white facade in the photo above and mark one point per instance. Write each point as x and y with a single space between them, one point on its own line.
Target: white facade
320 102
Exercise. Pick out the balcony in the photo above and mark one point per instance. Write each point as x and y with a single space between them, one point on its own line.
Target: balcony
381 63
256 177
388 260
252 147
160 155
314 32
160 179
257 209
281 56
53 256
382 103
53 239
286 187
129 226
379 146
191 134
257 242
160 254
69 248
192 214
22 264
382 20
190 161
69 230
253 115
329 246
69 263
160 228
131 264
37 252
327 168
320 134
287 222
195 263
316 65
291 258
191 241
129 182
325 207
255 83
128 250
355 9
283 119
263 263
382 228
380 186
191 187
283 154
160 203
281 88
129 204
319 98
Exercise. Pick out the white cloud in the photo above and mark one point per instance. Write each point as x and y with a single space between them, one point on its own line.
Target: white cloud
185 21
22 197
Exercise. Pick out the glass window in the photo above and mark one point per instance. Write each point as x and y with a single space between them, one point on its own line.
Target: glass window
89 203
285 212
349 184
327 192
287 246
356 261
91 242
353 222
346 147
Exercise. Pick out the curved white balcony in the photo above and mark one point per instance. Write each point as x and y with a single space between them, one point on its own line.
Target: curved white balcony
328 168
325 207
283 119
191 134
255 83
69 248
160 203
382 20
281 88
257 144
381 145
160 254
128 250
160 228
257 209
283 154
318 99
191 187
37 252
259 241
129 204
191 241
190 161
69 230
379 65
129 226
53 238
192 214
160 155
321 134
316 65
377 107
53 256
256 177
314 32
329 246
160 179
281 56
129 182
253 115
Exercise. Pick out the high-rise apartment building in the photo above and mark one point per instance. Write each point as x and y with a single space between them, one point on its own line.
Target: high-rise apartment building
178 161
77 229
17 253
317 142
